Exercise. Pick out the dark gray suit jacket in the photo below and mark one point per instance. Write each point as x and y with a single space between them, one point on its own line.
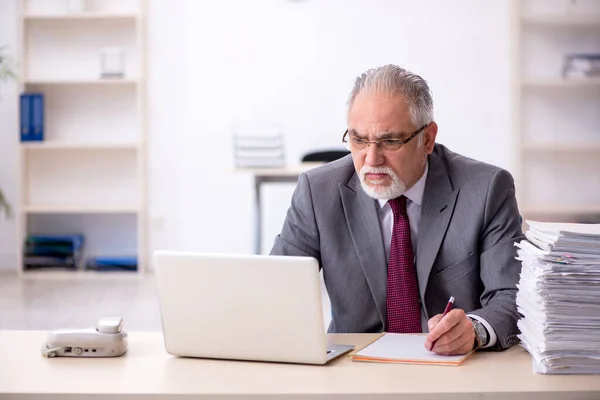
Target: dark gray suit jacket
469 222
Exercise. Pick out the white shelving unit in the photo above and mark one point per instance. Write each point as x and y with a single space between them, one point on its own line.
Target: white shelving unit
83 15
557 120
549 83
104 82
88 175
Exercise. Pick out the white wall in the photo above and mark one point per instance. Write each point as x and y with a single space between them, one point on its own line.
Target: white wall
293 63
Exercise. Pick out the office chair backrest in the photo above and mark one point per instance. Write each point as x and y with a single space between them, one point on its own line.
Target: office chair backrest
324 156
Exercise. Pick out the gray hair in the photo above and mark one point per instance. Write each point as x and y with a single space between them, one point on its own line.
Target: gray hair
391 80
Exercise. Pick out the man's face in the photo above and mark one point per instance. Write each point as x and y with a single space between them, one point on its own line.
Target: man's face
387 174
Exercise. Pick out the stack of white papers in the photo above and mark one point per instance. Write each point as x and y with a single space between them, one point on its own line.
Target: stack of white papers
559 297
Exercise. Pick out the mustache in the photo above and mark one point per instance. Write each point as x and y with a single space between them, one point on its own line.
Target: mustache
375 170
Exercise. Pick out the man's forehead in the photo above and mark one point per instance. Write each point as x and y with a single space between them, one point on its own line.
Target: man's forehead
377 133
376 115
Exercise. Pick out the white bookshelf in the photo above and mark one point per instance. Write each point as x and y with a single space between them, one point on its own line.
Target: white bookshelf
80 209
66 145
550 83
117 82
553 209
88 176
79 16
561 20
549 147
556 119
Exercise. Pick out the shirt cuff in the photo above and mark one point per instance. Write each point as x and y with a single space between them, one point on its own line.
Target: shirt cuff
488 327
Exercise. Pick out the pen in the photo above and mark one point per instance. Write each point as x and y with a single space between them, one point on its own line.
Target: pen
446 311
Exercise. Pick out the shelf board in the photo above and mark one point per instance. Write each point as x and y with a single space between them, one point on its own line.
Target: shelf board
562 20
561 82
79 274
584 209
99 81
561 147
80 16
79 209
77 146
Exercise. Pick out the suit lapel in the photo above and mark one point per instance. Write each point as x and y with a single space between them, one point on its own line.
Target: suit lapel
363 222
438 206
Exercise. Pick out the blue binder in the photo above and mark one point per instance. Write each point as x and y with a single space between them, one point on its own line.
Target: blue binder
32 117
25 118
108 263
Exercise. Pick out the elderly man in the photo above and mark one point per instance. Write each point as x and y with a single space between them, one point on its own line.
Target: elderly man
402 224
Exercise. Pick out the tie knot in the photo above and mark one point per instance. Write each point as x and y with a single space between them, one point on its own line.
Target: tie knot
398 205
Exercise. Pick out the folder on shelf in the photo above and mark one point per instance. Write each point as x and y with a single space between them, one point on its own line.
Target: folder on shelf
32 117
25 109
74 241
403 348
52 251
112 263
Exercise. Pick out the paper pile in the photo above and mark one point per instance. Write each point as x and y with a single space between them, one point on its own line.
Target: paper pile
559 297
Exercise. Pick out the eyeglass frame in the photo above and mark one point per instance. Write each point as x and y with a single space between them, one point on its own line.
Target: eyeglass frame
378 142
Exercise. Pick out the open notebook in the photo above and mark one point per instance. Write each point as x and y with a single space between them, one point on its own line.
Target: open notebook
403 348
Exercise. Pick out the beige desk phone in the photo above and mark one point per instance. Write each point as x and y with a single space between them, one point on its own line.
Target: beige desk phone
107 339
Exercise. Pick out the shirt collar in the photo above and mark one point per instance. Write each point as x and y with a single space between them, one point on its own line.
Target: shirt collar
415 193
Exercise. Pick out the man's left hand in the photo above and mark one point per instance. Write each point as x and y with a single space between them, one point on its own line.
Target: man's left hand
454 333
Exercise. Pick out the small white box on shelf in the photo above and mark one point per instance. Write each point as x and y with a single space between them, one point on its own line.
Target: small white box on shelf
76 6
112 62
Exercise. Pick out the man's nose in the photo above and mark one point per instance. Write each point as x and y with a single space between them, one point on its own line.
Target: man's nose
374 155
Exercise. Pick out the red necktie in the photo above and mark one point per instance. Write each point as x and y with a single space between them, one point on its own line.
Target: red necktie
403 310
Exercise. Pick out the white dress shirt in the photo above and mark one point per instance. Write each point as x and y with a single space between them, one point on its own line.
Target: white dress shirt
414 201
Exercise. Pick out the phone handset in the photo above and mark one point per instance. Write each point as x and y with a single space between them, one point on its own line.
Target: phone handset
107 339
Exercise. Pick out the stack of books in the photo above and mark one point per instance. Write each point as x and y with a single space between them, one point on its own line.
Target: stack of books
112 263
582 65
559 297
53 251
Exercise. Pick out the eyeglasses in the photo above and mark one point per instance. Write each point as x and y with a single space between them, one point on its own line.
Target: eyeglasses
359 143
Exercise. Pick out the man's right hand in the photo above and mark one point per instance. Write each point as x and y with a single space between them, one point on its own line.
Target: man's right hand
454 333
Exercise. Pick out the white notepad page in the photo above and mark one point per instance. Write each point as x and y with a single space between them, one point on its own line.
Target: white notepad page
405 347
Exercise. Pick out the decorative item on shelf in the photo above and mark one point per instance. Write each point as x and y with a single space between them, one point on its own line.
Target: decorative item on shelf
112 264
53 251
5 206
76 6
7 73
258 145
581 65
7 67
112 62
32 117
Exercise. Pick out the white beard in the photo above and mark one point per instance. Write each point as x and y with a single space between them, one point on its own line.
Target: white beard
376 189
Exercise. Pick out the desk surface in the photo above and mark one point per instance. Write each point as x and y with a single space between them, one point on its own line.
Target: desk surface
289 171
148 370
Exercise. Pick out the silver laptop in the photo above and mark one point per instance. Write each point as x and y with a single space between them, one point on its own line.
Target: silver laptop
243 307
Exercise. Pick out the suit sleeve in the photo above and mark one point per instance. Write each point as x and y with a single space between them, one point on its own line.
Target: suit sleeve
499 269
299 235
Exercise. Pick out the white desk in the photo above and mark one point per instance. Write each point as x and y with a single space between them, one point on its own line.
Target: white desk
271 175
147 371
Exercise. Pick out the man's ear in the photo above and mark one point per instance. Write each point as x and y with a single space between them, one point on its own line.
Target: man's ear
430 134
